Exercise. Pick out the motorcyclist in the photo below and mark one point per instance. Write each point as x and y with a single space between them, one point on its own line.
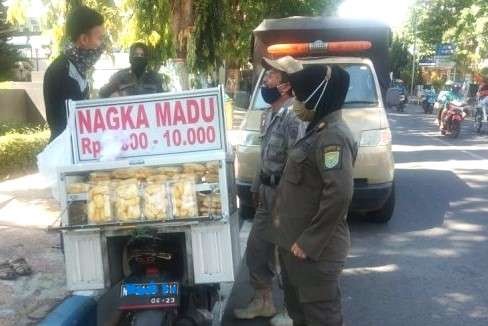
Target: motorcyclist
452 93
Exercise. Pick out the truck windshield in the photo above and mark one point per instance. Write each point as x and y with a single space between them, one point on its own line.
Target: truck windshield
362 89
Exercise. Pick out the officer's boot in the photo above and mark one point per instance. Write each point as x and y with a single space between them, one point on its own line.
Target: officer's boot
281 319
260 306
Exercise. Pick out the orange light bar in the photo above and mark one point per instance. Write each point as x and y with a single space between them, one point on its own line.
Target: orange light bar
317 47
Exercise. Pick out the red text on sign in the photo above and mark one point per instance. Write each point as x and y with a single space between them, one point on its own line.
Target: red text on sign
114 118
183 112
90 147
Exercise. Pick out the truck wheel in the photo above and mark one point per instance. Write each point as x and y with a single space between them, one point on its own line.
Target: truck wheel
385 213
151 318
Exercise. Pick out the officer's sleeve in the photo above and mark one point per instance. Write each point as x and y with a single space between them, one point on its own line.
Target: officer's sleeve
335 160
292 127
257 180
111 87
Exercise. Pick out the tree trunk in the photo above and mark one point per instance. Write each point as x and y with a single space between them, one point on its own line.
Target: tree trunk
232 80
181 24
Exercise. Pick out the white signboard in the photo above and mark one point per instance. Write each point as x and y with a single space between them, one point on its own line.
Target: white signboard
147 125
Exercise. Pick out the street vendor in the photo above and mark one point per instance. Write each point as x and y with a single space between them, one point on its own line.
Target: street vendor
313 198
66 77
136 80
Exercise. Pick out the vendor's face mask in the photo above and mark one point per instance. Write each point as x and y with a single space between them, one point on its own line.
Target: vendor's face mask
302 110
138 65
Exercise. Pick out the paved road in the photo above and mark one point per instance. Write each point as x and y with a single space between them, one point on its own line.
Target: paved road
429 265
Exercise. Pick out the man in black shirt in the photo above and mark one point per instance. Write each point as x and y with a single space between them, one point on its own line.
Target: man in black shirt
66 77
137 79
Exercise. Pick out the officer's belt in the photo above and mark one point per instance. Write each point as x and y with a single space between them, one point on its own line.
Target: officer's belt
269 180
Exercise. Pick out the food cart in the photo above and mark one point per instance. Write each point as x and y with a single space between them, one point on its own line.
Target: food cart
156 161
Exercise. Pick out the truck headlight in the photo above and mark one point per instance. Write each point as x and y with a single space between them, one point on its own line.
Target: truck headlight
250 138
378 137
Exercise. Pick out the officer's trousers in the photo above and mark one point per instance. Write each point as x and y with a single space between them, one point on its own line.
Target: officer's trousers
310 305
260 254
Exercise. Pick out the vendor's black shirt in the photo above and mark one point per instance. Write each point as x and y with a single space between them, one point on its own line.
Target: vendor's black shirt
62 82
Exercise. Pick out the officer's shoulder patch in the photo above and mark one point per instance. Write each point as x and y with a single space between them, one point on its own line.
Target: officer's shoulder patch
332 157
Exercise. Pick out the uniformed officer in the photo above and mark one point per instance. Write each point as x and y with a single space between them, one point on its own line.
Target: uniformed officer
312 201
279 129
137 79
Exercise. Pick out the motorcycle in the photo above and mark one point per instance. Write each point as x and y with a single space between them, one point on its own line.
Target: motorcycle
451 119
153 293
480 116
428 101
401 105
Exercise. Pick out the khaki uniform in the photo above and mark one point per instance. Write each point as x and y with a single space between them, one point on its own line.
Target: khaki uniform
311 207
279 133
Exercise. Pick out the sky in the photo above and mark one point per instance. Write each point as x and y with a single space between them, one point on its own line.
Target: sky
392 12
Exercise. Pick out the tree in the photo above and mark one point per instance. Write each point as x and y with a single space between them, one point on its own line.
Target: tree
204 33
462 22
245 15
400 58
9 55
401 62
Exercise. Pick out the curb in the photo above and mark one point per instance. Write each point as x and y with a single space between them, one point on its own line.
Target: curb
74 311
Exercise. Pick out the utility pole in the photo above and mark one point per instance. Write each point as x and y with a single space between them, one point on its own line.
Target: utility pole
414 51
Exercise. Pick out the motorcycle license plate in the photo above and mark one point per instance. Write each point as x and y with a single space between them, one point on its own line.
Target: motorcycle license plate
144 295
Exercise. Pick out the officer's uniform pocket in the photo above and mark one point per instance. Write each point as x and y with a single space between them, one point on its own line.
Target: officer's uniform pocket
294 171
314 280
276 150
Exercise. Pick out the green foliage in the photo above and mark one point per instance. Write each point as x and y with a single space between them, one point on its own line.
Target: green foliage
205 43
55 21
400 58
462 22
21 128
9 55
401 62
245 15
19 150
219 30
149 21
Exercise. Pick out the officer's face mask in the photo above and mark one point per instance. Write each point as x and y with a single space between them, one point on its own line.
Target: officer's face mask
304 110
270 94
138 65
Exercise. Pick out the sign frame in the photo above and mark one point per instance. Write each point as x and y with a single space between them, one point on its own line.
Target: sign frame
73 106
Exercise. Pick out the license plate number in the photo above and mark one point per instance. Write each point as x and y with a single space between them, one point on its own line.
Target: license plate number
148 294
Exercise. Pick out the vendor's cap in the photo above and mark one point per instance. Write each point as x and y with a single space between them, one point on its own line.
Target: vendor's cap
286 64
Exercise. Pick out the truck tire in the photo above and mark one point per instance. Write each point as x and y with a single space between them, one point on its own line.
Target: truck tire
385 213
150 318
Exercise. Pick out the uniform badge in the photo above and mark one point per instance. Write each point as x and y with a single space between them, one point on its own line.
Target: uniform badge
332 157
